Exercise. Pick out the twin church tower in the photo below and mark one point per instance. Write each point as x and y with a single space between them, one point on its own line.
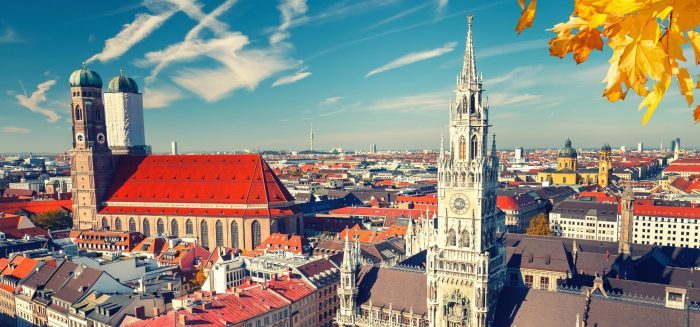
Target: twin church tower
103 129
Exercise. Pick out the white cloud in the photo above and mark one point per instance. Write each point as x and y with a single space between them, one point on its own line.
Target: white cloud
14 130
505 99
325 113
190 47
398 15
142 26
290 10
289 79
161 97
413 57
330 101
9 36
422 102
241 69
511 48
440 4
518 77
35 101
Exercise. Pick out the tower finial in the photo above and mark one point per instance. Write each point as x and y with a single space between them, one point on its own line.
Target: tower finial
121 71
470 17
84 64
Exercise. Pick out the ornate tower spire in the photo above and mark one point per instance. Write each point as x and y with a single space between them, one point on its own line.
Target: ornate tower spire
469 76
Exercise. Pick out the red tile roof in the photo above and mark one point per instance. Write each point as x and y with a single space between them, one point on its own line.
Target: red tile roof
683 168
289 243
230 179
20 267
294 289
15 226
514 202
36 207
666 211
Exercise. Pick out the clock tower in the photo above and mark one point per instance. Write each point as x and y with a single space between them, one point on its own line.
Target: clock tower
91 158
466 262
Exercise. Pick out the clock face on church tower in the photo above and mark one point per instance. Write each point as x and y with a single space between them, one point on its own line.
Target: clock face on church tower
459 203
101 138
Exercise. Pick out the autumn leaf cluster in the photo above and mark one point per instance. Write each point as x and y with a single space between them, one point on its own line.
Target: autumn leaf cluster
646 37
539 226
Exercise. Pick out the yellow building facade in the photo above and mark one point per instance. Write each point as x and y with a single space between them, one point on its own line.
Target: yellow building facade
568 172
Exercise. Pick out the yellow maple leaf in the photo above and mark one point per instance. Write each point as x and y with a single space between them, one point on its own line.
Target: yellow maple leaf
652 100
685 84
586 40
527 16
642 57
695 42
615 79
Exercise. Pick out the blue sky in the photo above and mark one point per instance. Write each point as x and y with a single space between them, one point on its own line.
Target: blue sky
227 75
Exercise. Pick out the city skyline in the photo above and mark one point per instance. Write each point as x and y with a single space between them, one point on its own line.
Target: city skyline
372 72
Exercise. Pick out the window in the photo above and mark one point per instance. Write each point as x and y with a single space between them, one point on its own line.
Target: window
204 234
462 148
160 226
256 233
104 222
146 227
189 229
174 228
544 283
78 113
117 224
132 225
451 238
528 281
464 239
474 148
234 235
219 233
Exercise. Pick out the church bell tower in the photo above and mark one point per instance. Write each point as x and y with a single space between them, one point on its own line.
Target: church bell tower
465 263
91 158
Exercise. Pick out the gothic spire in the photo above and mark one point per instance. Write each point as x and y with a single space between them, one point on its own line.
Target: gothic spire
469 75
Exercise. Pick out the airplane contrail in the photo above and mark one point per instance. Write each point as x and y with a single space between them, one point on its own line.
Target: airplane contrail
23 89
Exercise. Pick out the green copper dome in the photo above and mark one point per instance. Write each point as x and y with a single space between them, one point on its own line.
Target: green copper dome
85 78
122 83
567 151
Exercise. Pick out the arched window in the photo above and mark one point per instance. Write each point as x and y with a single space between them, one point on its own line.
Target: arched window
117 224
146 227
255 227
474 148
132 225
219 233
462 148
464 239
204 234
189 229
78 113
174 230
160 227
472 105
234 235
104 222
451 238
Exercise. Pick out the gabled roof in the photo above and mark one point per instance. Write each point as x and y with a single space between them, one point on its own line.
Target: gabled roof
386 287
35 207
219 179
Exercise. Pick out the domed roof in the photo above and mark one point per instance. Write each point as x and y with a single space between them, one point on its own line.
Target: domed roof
567 151
85 78
122 83
606 147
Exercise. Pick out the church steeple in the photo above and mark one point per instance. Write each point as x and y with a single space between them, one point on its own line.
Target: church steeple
469 76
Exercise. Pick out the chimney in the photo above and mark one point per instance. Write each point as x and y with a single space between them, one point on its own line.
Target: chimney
173 147
182 319
156 311
139 312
